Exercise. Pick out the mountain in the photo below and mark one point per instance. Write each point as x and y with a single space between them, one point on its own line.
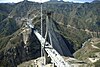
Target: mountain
96 1
75 23
79 21
90 52
5 9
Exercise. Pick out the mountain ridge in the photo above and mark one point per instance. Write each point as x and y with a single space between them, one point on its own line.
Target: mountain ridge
73 21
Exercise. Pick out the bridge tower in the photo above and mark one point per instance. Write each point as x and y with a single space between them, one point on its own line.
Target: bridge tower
47 35
43 53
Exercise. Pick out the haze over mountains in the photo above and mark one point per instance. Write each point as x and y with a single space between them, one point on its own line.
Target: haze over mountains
16 1
75 22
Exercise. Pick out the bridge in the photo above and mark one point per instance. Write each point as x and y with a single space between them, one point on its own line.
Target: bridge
56 58
48 48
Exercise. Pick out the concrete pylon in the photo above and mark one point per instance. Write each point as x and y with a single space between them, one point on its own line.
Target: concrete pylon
57 40
46 58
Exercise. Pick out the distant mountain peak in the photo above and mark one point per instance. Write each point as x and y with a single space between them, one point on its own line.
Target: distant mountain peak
25 0
96 1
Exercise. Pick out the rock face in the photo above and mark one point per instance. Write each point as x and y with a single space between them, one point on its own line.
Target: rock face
90 53
15 54
35 63
26 32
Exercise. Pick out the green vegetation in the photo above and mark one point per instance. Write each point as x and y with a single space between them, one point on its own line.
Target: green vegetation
97 64
3 42
8 27
80 17
98 45
2 16
5 9
88 51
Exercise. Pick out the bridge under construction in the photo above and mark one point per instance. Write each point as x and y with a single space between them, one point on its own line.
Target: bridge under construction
53 48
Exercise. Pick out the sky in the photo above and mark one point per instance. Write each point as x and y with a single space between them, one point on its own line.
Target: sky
15 1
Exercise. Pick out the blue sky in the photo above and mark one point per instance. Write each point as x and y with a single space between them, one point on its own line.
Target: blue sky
5 1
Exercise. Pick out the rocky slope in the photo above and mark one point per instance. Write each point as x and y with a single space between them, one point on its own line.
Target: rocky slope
90 52
75 22
14 50
5 9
